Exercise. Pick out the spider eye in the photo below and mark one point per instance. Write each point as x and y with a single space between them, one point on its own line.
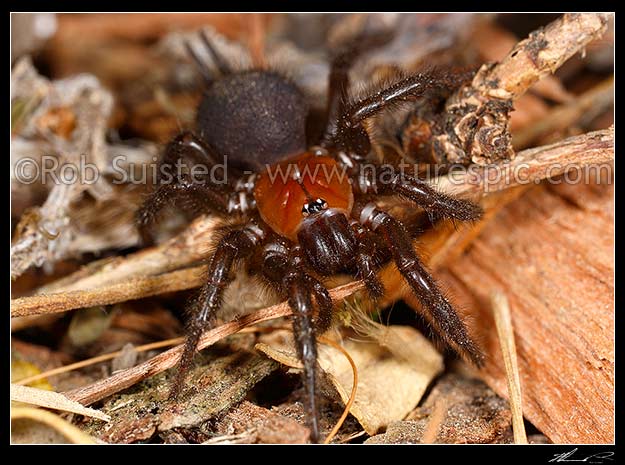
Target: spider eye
314 206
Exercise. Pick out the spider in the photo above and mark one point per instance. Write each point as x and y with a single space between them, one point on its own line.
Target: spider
318 220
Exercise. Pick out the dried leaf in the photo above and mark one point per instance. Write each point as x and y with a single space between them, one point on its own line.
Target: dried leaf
53 400
389 387
58 424
21 369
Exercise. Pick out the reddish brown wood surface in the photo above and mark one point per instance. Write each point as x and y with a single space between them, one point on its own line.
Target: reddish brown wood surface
552 252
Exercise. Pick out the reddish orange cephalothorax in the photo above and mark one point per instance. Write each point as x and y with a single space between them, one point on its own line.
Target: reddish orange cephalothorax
283 189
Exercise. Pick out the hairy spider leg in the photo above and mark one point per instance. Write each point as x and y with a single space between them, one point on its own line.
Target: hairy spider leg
338 81
181 187
365 260
301 303
443 316
186 147
437 204
182 190
235 245
284 268
351 136
220 62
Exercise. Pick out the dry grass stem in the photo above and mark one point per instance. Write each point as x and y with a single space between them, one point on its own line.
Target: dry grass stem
98 359
132 289
505 332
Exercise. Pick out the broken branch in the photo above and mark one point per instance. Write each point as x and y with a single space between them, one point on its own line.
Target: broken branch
541 54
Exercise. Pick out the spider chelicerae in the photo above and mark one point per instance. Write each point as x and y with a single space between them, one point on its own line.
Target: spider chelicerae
303 213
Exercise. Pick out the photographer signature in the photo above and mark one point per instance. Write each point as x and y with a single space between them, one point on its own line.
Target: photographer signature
594 458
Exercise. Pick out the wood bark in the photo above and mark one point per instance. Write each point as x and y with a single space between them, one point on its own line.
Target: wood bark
552 253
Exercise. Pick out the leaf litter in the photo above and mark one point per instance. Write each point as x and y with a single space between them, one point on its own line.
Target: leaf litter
389 386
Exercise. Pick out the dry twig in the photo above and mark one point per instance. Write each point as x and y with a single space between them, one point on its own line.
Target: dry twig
478 114
495 42
136 288
532 165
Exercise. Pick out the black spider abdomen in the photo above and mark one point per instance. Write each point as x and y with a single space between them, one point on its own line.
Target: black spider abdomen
254 118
